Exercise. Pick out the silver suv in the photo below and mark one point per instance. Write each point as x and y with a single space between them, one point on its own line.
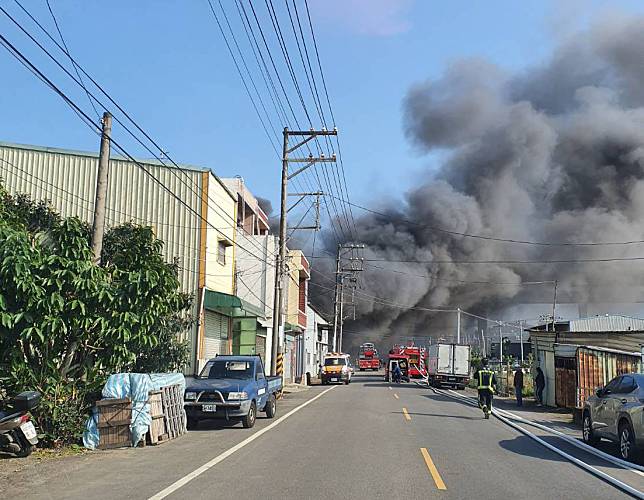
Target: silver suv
616 413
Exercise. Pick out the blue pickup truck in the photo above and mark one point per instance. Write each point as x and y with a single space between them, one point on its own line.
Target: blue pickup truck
232 388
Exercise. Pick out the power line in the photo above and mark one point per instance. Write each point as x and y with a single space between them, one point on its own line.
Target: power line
504 283
328 100
277 74
540 261
21 57
491 238
221 210
287 59
62 39
232 55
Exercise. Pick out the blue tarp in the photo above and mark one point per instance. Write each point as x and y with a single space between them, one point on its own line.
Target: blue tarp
135 386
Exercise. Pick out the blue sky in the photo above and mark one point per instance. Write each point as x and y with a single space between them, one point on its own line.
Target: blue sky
166 63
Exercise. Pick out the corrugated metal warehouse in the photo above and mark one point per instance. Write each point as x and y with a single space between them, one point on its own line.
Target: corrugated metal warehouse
68 180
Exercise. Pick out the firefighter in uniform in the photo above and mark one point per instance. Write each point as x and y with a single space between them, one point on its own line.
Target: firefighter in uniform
486 384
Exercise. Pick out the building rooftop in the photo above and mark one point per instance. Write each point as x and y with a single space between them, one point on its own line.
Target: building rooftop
94 154
597 324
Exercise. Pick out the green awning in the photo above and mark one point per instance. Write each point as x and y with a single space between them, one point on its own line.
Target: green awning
292 329
230 305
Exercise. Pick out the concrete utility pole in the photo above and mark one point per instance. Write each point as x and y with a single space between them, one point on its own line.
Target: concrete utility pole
277 347
341 315
458 325
98 226
521 339
335 299
500 344
483 341
340 274
554 305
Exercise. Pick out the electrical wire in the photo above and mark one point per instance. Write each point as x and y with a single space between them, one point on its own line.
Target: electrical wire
218 208
21 57
469 282
492 238
62 39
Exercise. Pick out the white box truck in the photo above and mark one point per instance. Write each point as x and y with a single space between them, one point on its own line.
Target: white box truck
448 365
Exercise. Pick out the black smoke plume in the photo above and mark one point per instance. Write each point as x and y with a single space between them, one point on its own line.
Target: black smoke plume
554 153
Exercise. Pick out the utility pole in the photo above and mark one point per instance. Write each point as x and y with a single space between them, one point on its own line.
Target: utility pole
458 325
554 305
341 274
98 226
277 348
341 315
500 345
483 341
335 299
521 339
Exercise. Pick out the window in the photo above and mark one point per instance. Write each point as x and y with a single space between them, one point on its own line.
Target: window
221 252
626 385
260 373
227 369
335 362
612 385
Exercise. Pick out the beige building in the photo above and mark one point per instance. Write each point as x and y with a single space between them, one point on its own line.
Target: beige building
296 318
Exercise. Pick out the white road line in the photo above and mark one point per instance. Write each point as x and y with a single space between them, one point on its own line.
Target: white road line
593 470
631 467
219 458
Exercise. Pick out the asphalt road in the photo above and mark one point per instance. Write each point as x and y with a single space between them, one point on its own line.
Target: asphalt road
365 440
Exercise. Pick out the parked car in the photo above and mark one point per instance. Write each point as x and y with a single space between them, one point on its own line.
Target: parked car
231 388
615 412
336 369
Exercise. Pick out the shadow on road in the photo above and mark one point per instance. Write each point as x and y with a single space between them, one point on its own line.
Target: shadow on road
523 445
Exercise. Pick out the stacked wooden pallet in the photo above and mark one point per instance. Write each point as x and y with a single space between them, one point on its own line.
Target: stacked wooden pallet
168 415
156 433
175 416
114 419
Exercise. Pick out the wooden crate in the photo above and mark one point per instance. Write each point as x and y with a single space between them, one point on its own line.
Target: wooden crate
114 419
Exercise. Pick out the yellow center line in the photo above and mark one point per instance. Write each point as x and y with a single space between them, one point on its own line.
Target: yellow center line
407 416
396 396
433 470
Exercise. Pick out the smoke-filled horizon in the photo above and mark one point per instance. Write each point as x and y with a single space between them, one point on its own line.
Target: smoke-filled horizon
553 153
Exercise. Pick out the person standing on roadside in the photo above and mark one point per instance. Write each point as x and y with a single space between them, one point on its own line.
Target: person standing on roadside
540 383
518 385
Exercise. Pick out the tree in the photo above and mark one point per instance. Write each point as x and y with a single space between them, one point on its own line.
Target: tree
67 323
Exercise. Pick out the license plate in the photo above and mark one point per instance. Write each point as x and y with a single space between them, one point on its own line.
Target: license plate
209 408
334 379
28 430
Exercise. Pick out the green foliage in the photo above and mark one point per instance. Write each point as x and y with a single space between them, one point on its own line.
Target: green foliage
476 359
67 323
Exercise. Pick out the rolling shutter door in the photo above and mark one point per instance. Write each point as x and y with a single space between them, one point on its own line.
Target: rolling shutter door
216 334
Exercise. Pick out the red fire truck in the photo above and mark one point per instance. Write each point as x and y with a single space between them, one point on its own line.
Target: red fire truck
368 358
417 359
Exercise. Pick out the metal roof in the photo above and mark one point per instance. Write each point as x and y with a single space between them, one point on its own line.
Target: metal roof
94 154
612 323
